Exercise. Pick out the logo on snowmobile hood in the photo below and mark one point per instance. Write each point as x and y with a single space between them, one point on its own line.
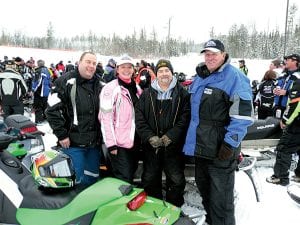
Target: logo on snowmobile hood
265 126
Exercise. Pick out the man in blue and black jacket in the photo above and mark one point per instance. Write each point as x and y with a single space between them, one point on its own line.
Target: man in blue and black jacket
283 84
221 111
41 87
289 143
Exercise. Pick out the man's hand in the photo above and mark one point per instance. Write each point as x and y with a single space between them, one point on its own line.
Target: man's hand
165 140
155 142
65 143
279 91
282 125
282 92
225 152
114 152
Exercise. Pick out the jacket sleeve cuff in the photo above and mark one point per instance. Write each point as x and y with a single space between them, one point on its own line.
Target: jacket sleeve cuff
62 137
111 148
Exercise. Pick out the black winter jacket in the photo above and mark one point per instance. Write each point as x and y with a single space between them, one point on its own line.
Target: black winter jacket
12 87
81 126
177 121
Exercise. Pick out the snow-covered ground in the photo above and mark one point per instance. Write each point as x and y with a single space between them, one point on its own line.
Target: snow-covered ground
275 207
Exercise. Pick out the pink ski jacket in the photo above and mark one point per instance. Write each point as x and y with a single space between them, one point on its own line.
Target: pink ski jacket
117 116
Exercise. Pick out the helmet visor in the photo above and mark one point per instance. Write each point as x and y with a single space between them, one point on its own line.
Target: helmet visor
61 168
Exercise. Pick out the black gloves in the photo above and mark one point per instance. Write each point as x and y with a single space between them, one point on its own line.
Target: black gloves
155 142
225 151
166 140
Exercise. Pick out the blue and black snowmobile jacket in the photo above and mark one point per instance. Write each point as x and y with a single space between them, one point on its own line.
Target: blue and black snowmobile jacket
221 110
41 81
284 82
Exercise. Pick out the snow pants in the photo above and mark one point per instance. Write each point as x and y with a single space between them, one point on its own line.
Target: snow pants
215 181
124 164
172 163
263 113
39 105
13 109
288 144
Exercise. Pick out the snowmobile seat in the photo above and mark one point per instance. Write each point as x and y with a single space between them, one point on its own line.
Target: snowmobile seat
264 129
33 197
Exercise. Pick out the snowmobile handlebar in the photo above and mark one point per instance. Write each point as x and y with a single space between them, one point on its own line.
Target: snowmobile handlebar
13 135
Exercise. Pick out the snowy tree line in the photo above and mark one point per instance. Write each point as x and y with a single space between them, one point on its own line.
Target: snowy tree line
241 42
244 42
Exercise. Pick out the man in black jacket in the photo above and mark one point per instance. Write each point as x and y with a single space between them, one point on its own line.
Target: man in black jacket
12 89
72 113
162 118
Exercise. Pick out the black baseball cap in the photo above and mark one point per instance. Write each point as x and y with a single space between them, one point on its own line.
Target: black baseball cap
213 45
294 57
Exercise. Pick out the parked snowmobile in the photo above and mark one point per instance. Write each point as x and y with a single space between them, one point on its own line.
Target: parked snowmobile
293 191
109 201
263 133
261 140
23 149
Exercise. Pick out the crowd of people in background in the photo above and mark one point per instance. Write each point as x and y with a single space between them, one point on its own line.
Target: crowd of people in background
278 95
127 107
33 80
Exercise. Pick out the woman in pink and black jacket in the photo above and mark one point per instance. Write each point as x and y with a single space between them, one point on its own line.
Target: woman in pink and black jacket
117 118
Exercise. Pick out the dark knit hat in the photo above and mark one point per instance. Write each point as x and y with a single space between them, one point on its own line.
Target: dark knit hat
112 61
163 63
18 59
11 64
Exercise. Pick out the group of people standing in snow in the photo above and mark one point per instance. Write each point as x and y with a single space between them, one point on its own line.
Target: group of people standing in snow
21 82
286 90
278 95
270 95
163 121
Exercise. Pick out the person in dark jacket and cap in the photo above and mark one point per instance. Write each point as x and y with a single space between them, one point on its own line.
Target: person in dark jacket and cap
41 87
162 118
109 73
289 142
221 111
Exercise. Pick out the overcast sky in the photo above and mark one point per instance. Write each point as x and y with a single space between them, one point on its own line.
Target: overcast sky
190 19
